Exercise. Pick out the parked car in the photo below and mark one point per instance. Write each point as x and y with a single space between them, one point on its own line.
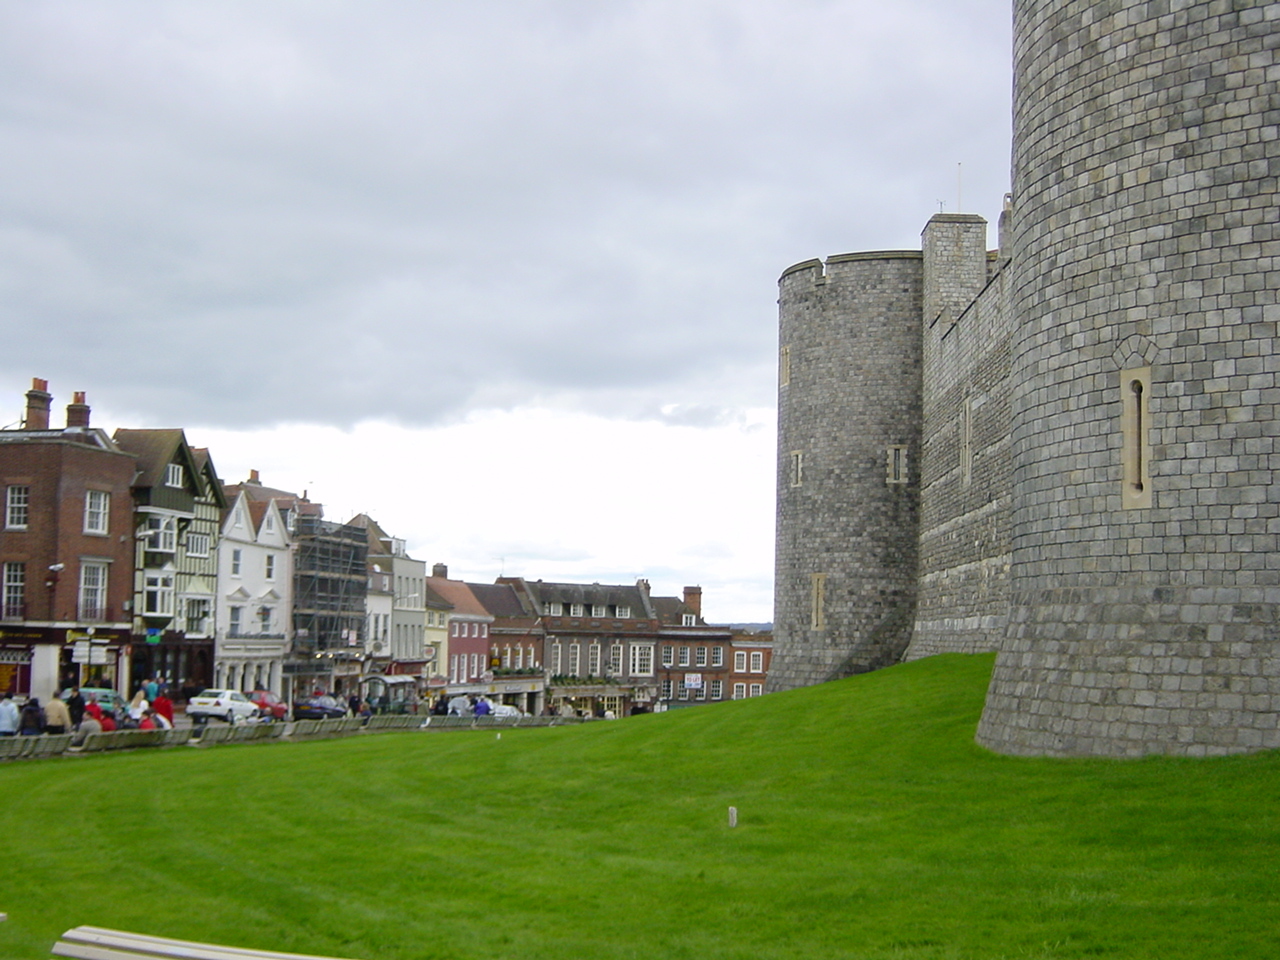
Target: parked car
229 705
111 701
270 706
319 708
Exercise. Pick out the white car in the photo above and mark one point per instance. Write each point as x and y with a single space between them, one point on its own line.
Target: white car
229 705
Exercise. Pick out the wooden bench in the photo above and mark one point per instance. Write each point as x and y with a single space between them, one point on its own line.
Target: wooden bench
99 943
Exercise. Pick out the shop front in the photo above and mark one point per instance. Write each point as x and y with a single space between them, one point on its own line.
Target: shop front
36 660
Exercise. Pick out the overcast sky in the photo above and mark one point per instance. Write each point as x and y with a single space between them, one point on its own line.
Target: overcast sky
501 274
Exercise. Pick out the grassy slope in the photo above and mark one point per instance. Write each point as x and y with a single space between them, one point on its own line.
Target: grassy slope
870 826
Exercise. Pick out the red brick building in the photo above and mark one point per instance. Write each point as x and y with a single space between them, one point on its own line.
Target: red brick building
694 657
752 653
66 552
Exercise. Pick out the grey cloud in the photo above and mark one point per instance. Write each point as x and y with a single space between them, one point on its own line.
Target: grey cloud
241 213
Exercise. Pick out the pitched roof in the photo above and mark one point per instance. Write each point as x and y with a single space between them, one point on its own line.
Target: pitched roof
212 486
155 450
500 599
459 594
257 493
591 594
434 600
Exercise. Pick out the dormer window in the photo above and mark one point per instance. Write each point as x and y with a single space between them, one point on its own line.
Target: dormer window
599 610
688 620
624 613
174 475
575 609
555 609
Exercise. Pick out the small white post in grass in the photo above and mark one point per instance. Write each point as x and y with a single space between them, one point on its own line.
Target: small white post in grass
499 736
733 816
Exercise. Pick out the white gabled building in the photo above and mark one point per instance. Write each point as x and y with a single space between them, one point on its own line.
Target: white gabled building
255 598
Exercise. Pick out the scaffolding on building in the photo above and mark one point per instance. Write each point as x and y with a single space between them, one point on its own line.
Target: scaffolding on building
330 584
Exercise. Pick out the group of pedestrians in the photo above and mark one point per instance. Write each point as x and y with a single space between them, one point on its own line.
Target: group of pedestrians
32 719
150 709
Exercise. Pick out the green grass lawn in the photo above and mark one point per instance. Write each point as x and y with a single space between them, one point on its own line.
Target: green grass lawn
870 825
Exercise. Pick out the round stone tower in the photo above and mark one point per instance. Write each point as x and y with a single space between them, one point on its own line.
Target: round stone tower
1146 575
849 413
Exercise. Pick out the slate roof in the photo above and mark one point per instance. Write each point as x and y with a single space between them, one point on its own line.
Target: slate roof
155 450
500 599
671 610
591 593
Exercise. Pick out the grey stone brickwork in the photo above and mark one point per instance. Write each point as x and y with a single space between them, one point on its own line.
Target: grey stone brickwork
1143 244
965 484
850 375
1146 152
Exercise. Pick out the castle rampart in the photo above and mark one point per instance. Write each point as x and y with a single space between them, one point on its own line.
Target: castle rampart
1092 448
965 464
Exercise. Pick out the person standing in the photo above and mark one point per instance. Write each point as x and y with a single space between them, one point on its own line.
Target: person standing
31 723
75 704
137 705
9 715
163 706
57 718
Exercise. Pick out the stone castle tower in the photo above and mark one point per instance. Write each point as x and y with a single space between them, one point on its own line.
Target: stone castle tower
1086 419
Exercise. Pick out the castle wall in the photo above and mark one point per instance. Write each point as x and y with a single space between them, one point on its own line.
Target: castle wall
1145 605
965 461
848 416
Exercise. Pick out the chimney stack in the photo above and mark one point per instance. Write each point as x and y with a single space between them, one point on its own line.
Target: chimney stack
253 477
78 411
38 401
440 570
693 600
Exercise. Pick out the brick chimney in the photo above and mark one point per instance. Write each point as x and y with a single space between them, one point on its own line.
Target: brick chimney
78 411
38 401
440 570
253 478
693 599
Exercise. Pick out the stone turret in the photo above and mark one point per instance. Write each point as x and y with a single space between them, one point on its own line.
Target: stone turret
848 455
1145 563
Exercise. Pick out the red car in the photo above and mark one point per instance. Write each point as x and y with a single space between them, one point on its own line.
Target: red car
270 707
